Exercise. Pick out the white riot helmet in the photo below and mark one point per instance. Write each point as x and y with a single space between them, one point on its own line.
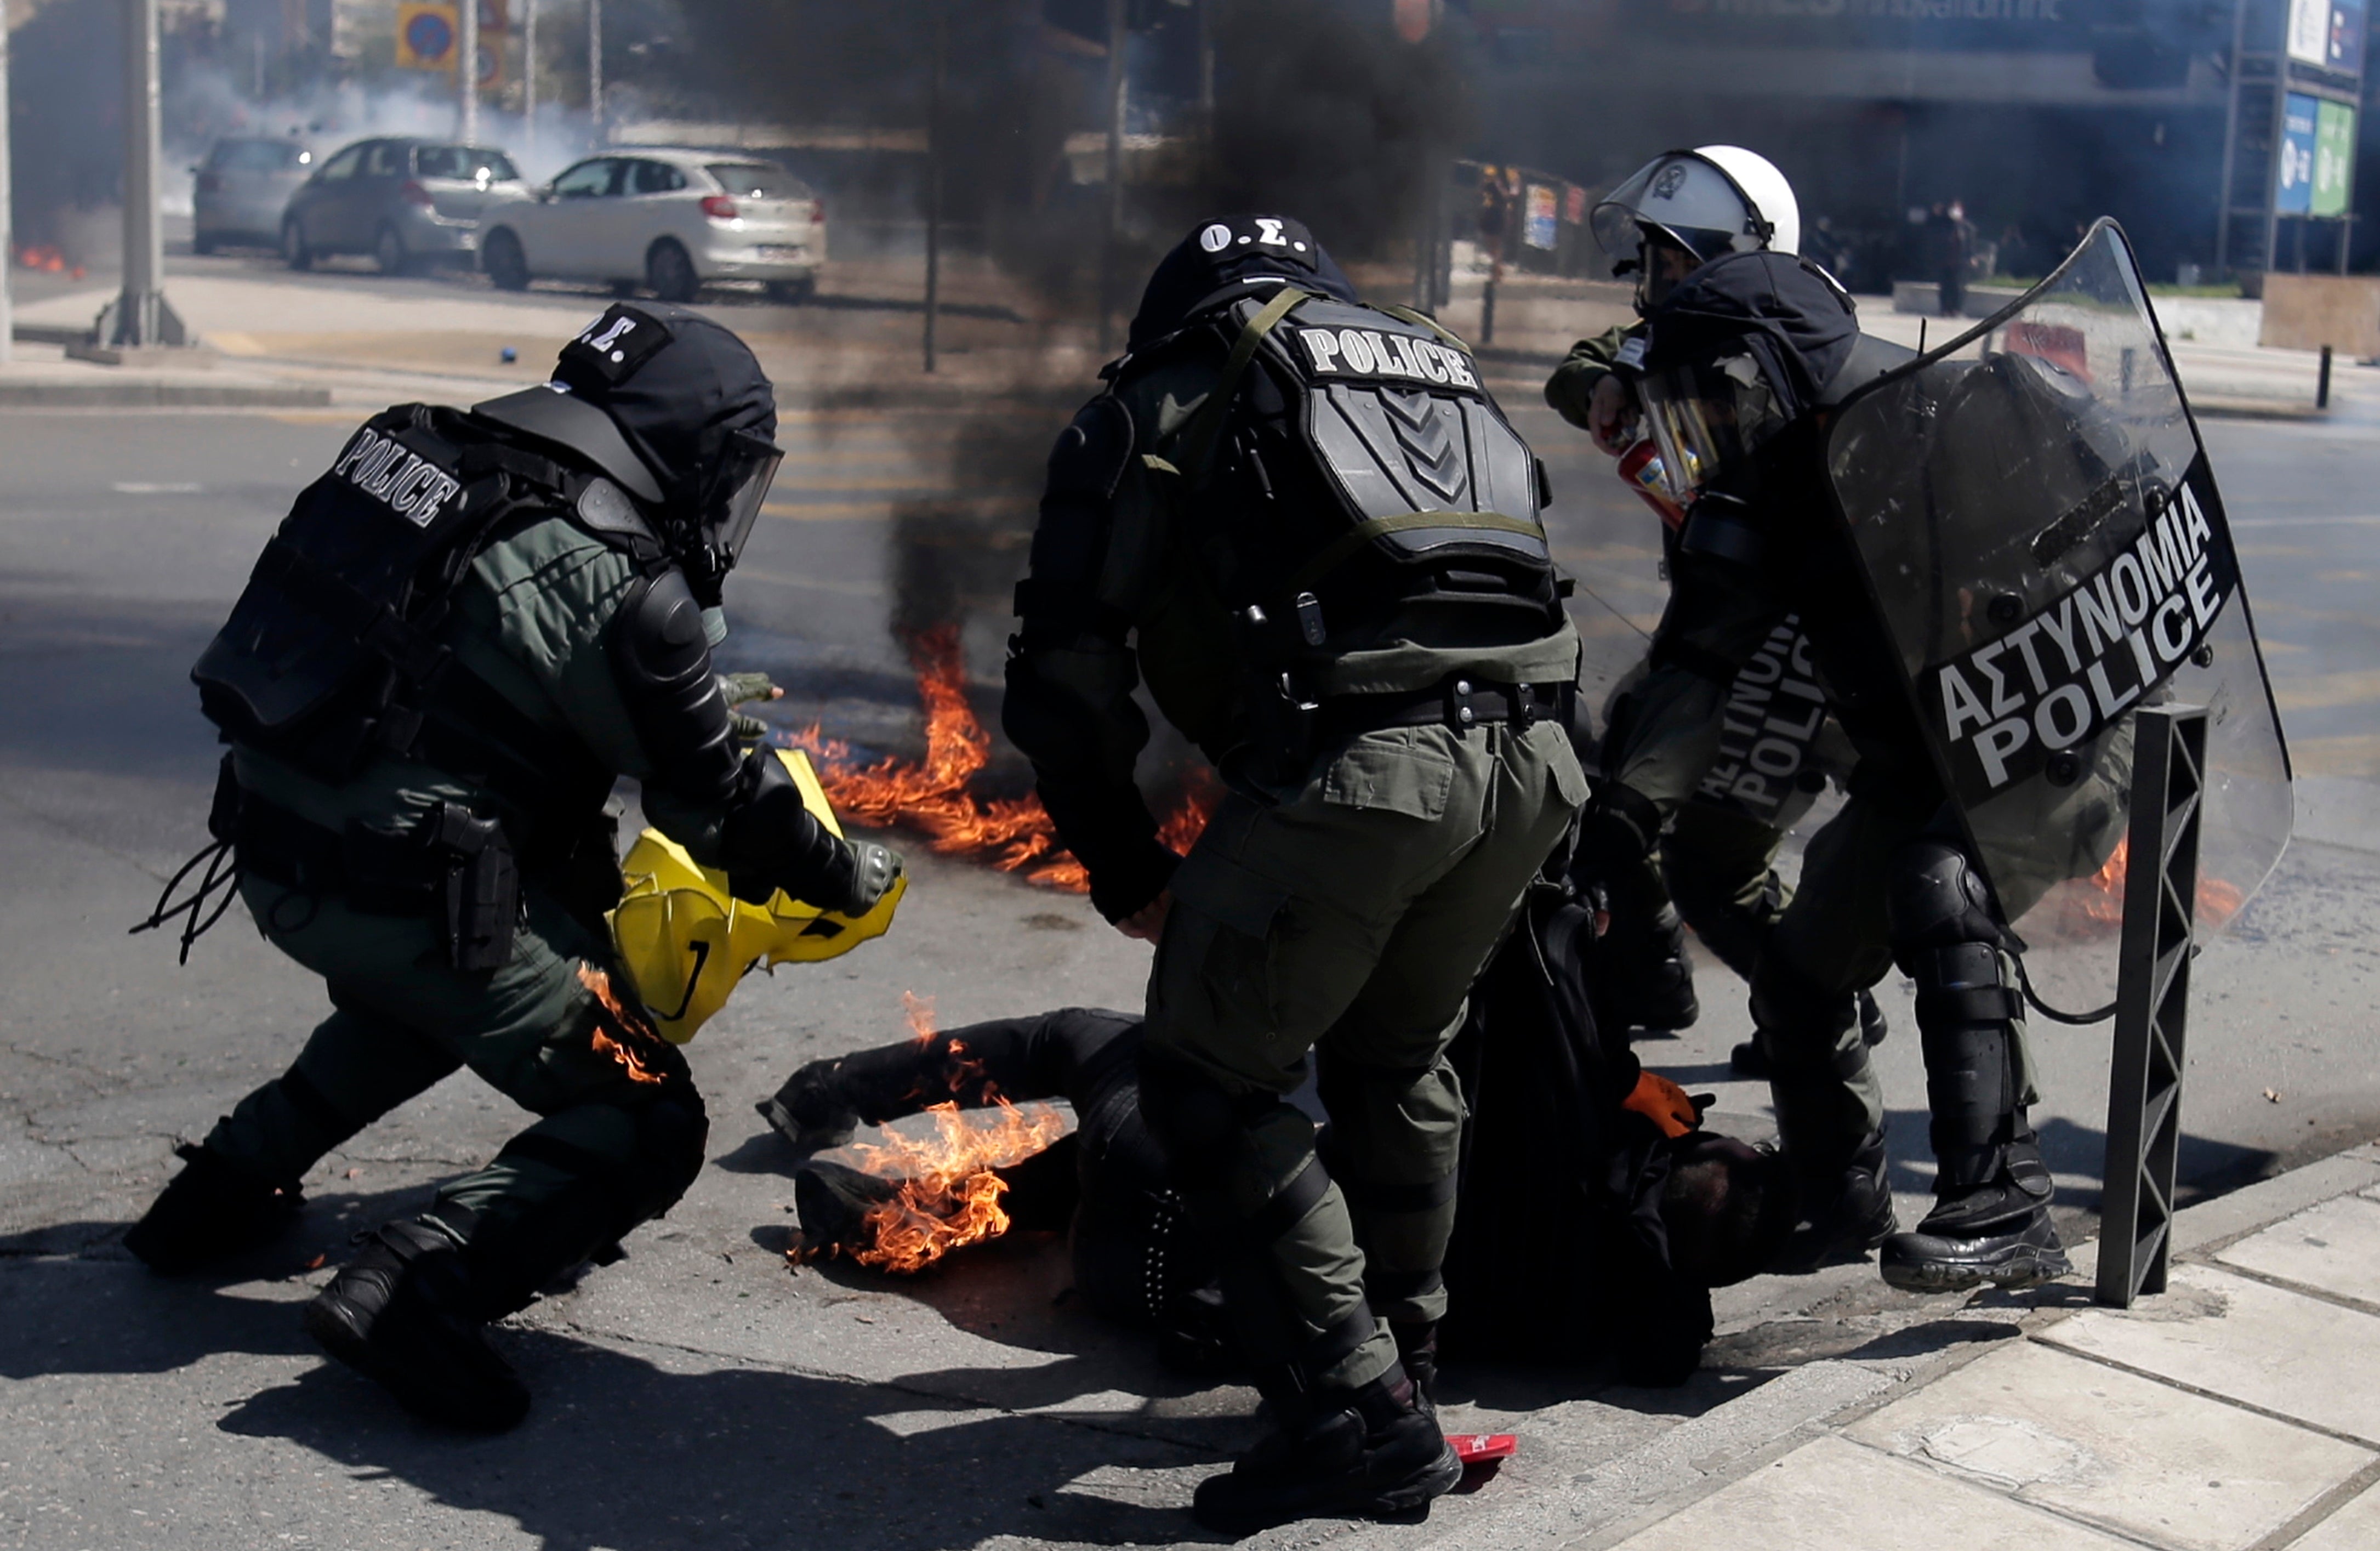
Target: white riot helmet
1711 200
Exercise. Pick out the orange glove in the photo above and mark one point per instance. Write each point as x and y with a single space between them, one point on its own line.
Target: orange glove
1663 1103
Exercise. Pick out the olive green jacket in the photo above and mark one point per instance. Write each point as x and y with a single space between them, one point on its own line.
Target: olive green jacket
530 618
1589 362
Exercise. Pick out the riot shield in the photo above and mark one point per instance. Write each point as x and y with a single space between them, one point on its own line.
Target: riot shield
2044 539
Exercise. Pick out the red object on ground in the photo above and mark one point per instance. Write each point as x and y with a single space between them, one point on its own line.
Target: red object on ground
1480 1448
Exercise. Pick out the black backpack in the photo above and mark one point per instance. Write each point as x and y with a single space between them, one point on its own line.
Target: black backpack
1349 464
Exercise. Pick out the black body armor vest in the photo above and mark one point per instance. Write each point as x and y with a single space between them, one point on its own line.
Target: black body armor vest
332 657
1349 466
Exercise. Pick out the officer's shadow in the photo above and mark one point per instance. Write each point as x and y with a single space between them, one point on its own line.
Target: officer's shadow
629 1454
627 1446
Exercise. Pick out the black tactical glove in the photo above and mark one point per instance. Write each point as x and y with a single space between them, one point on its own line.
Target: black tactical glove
874 870
737 688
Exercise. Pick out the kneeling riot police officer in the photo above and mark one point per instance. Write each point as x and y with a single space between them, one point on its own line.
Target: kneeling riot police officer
461 635
1307 524
1743 355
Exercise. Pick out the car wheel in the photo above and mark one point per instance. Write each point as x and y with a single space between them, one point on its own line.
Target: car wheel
793 293
501 256
670 273
388 250
293 245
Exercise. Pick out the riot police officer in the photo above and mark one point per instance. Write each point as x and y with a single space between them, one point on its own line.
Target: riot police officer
1663 859
1746 347
1306 524
462 634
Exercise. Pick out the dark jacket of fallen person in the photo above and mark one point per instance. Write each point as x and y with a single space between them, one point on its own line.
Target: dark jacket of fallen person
1614 1274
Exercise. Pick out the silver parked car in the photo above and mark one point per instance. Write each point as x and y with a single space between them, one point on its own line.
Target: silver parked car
242 187
403 201
673 221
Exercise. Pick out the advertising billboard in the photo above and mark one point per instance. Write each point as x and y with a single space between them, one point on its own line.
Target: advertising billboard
2334 159
2293 187
2328 33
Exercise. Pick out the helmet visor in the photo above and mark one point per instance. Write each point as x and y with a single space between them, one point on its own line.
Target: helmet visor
738 484
1707 419
1681 195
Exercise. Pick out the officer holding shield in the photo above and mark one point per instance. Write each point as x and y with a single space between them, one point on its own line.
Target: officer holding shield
1744 356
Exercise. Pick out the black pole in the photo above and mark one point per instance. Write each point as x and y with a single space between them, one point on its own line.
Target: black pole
2322 384
934 176
1109 257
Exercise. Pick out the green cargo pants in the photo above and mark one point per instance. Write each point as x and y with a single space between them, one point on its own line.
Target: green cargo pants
613 1146
1352 914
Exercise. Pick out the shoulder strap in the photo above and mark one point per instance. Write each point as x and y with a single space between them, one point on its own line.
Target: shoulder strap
1423 320
1197 440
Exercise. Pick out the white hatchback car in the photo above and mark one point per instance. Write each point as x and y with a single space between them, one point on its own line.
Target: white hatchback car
670 220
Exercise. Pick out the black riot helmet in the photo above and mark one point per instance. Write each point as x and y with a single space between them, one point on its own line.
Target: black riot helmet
1226 257
673 408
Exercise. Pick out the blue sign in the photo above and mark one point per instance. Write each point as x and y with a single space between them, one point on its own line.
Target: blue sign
2293 189
2344 47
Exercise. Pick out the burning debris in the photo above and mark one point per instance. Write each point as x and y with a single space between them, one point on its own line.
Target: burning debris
621 1028
908 1202
934 797
2095 905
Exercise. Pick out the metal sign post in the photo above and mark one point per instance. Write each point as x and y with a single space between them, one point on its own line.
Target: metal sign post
2152 1002
139 317
466 73
7 248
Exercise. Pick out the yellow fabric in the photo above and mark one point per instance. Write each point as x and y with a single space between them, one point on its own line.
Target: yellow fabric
686 941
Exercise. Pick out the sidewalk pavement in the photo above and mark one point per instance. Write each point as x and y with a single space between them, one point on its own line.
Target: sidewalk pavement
351 337
2239 1411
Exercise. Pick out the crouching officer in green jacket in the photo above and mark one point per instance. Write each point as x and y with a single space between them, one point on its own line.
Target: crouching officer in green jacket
1304 521
459 639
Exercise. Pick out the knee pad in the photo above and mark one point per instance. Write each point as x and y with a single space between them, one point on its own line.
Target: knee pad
1801 1026
670 1133
1198 1124
1937 899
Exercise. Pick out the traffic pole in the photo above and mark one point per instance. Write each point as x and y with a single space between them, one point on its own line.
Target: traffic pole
466 73
934 174
595 70
139 318
8 244
529 76
1109 256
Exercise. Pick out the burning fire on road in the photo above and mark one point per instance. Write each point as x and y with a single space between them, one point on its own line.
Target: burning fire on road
904 1205
935 796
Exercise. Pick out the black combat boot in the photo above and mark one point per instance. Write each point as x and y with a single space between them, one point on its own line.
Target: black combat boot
1748 1061
1369 1454
807 1112
1652 980
1846 1211
404 1314
1641 958
211 1210
1999 1233
1417 1355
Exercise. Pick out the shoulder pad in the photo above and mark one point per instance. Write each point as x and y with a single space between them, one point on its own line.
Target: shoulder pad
1091 452
605 510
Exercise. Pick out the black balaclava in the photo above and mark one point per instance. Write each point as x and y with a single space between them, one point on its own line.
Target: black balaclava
1223 256
678 386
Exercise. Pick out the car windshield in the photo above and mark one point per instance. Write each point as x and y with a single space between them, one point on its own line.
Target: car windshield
259 155
757 180
464 162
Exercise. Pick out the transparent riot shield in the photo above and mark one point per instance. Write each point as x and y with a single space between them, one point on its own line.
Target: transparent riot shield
2045 540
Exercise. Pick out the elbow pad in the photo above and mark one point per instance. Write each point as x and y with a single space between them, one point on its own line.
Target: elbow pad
661 661
770 840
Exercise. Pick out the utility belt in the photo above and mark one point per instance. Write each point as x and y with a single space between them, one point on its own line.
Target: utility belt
453 868
1287 730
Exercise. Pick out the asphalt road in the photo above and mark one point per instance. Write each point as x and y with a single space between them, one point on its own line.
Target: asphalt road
698 1392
